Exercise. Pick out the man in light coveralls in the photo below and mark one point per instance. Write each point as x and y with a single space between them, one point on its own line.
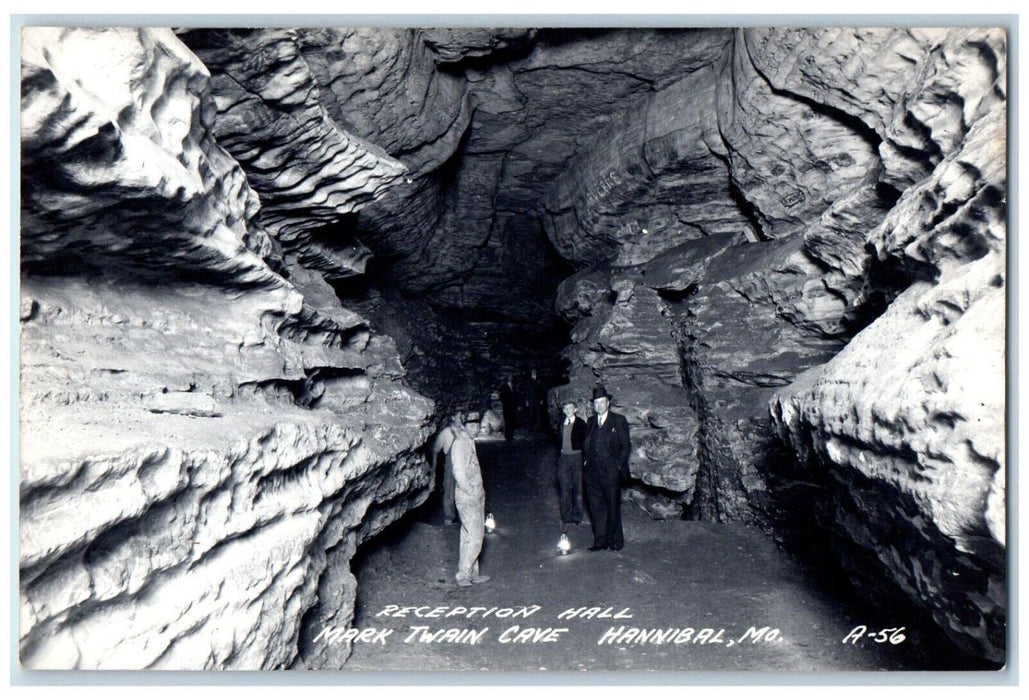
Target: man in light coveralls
470 498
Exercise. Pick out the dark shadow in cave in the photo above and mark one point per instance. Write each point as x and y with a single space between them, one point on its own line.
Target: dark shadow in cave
458 355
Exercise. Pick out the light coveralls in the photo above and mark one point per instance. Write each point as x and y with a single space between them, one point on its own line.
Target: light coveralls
470 498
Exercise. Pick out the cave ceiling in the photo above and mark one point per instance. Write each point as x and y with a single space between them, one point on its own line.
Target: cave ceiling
463 138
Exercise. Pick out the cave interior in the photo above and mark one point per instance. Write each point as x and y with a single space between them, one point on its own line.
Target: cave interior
781 249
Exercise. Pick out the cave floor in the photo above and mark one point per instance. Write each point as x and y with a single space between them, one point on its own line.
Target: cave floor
671 575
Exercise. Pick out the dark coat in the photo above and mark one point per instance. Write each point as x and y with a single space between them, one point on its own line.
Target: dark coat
507 398
578 432
606 448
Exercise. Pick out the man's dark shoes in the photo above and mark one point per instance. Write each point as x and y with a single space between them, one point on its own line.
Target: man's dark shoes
596 548
615 548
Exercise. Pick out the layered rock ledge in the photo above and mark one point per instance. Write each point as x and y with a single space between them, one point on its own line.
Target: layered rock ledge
819 345
204 442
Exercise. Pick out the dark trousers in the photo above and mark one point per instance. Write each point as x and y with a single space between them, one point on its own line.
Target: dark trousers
604 498
534 417
510 418
569 486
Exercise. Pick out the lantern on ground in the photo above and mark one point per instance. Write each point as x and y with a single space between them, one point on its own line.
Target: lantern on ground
564 545
490 523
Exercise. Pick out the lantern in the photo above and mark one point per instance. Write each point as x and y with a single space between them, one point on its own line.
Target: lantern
491 523
564 545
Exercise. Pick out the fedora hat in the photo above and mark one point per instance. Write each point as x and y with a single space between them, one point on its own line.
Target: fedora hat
599 392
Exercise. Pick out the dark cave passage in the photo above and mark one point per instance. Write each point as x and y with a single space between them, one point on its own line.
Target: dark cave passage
727 579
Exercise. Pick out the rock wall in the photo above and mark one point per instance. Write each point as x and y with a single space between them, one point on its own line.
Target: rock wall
434 237
906 425
717 297
855 177
656 179
203 441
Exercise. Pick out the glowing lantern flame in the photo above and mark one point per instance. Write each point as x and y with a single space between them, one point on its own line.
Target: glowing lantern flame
564 545
490 523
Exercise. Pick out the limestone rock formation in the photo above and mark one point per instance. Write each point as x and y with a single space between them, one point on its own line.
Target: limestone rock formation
855 177
656 179
629 342
918 89
695 342
695 168
481 120
308 169
101 149
203 442
429 234
907 423
782 250
454 45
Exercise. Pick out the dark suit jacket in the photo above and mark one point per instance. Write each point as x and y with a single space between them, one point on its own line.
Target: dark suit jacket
607 447
578 432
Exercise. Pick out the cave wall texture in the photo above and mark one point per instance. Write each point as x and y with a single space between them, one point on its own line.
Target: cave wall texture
856 296
259 265
204 442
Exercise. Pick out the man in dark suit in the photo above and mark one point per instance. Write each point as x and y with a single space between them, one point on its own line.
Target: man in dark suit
534 403
571 434
606 452
509 406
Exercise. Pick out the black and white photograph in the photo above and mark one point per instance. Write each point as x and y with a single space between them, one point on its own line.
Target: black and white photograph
536 347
